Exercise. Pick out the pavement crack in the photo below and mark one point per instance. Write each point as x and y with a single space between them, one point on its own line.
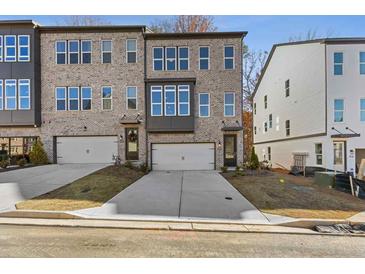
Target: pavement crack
181 190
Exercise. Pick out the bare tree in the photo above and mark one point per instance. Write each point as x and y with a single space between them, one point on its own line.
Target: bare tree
83 20
253 63
311 34
185 23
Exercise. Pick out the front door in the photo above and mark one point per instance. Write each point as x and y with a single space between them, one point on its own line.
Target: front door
339 156
131 144
230 150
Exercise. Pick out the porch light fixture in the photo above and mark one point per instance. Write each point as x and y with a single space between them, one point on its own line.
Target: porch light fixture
121 138
219 144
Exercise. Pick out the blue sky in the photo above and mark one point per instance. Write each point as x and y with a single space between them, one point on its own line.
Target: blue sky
264 31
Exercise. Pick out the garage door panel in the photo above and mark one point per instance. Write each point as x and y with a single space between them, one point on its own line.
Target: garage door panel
97 149
195 156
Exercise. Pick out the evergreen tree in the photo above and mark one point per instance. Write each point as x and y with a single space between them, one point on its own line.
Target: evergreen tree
38 155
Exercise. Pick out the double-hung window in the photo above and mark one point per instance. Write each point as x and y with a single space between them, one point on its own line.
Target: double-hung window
10 48
338 63
86 98
86 51
183 58
170 100
265 101
131 97
106 51
204 58
61 98
184 100
254 108
1 95
73 98
228 57
23 48
204 104
287 88
362 110
265 126
106 94
287 127
10 95
61 55
270 120
229 104
269 153
24 94
339 107
170 58
156 101
362 62
131 50
73 52
318 151
1 48
158 59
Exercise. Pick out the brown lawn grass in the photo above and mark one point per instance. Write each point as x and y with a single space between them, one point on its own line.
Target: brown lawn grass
296 197
92 190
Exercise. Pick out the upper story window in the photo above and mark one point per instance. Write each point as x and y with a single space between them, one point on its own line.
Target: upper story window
131 50
73 52
265 101
270 121
1 95
362 110
61 51
183 100
23 48
170 58
86 51
24 94
106 51
228 57
106 95
204 104
255 130
170 100
254 108
61 98
10 95
287 88
131 97
287 127
156 101
73 98
265 127
338 63
204 58
158 59
183 58
339 107
1 48
362 62
10 48
86 98
229 104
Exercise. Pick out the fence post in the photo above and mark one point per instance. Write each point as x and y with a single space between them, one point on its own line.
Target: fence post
352 186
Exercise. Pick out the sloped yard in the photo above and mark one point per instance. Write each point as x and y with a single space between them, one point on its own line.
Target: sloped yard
297 197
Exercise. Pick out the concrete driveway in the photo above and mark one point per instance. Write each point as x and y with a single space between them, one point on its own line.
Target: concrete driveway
22 184
179 195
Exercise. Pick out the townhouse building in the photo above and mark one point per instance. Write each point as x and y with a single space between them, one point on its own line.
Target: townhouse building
309 105
172 101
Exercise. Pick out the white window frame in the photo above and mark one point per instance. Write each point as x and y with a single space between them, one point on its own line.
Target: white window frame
66 104
158 59
73 52
1 47
183 58
86 98
106 98
1 95
127 97
269 153
228 58
204 105
270 123
62 52
11 97
287 128
6 47
170 59
317 154
334 111
361 110
23 97
335 64
106 51
158 89
24 46
183 88
82 52
265 101
287 88
127 51
69 99
167 89
204 58
234 104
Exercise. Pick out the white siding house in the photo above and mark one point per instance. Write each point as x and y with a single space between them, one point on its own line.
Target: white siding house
308 107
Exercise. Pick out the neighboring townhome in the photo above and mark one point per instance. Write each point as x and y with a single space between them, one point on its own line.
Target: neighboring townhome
309 105
171 101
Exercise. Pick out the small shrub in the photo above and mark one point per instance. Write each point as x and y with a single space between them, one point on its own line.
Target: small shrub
254 161
239 171
144 168
38 155
224 169
4 163
128 164
21 162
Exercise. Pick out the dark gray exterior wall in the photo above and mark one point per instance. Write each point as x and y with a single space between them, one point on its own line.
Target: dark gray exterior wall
23 70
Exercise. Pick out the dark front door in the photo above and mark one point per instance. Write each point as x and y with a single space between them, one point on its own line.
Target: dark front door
230 150
131 143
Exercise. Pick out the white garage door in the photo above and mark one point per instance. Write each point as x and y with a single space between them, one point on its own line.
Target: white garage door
183 156
98 149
